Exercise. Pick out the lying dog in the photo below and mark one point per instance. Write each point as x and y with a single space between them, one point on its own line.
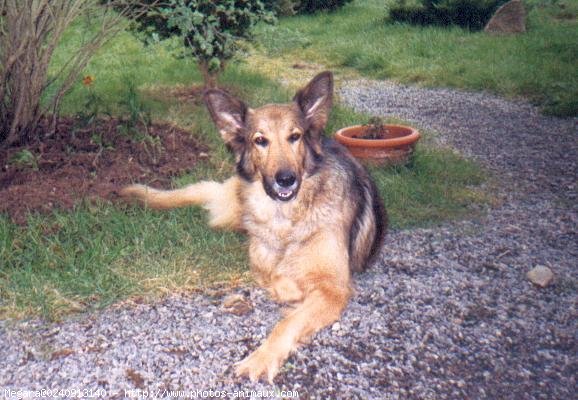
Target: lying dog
311 211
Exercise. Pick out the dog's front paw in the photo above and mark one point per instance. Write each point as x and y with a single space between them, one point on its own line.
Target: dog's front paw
262 362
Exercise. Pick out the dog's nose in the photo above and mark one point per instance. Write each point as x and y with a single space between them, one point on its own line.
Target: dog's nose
285 178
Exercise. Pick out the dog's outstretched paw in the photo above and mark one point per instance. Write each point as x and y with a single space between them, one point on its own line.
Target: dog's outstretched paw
262 362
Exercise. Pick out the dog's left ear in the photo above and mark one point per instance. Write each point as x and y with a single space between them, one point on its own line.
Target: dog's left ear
315 101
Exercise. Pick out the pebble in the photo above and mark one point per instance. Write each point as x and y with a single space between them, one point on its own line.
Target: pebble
237 304
540 276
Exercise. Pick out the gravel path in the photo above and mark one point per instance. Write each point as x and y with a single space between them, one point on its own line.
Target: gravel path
446 314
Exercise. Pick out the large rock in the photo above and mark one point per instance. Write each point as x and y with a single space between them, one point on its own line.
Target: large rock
509 18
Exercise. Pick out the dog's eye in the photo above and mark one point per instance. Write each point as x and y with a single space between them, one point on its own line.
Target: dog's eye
261 141
294 137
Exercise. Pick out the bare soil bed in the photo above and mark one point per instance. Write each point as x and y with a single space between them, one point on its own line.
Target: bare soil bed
91 162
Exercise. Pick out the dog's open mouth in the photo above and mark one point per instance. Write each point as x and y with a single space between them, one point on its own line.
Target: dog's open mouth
285 194
278 192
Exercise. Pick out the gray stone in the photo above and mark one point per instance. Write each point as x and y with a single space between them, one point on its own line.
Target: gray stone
541 276
509 18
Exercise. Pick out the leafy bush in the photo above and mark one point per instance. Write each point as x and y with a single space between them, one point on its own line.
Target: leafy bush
470 14
312 6
208 29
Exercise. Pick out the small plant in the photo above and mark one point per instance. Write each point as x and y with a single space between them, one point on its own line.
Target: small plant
92 107
24 159
376 129
138 112
209 30
98 139
139 116
153 146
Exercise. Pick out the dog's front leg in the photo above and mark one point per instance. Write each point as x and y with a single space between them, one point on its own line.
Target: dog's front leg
320 308
326 291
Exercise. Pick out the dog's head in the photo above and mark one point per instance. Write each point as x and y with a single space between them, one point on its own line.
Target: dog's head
279 143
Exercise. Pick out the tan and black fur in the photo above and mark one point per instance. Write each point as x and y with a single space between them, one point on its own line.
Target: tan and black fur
311 211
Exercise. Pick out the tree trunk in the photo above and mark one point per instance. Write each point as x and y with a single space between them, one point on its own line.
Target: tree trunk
209 77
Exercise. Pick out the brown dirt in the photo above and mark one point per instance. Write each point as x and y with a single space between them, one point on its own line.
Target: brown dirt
373 136
89 163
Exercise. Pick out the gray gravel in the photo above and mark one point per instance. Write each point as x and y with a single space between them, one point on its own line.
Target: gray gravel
447 313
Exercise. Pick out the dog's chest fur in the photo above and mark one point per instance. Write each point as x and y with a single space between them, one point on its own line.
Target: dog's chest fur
280 224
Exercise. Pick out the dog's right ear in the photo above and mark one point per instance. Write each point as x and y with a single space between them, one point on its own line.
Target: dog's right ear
229 115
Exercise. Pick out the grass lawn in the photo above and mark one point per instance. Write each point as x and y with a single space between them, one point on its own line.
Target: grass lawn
100 254
539 65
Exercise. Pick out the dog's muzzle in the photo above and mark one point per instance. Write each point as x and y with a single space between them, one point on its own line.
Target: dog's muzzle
284 187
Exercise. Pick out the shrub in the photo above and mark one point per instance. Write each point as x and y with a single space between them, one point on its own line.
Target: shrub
208 29
312 6
469 14
30 31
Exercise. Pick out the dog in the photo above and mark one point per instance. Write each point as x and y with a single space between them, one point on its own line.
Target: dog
311 211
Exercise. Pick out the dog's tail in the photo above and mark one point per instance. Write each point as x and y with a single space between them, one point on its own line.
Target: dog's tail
195 194
220 199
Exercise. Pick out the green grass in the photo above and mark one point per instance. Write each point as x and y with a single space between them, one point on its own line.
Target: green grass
437 186
539 65
100 254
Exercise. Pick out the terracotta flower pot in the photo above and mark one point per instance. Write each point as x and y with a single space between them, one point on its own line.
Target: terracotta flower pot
395 149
